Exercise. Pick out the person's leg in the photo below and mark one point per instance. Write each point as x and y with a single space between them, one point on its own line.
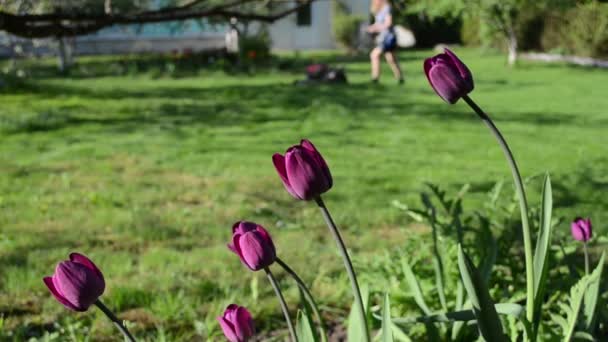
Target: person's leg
374 57
394 64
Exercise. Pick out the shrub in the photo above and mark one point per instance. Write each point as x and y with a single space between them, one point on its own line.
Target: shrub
469 32
346 30
256 47
585 31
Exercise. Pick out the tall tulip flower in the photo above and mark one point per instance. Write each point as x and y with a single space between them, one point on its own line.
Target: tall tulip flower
452 80
252 243
581 230
243 227
237 324
77 284
303 170
306 176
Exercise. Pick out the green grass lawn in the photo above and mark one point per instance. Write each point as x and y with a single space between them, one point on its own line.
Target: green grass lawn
146 175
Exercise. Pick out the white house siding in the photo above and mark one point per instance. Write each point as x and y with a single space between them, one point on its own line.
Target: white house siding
287 35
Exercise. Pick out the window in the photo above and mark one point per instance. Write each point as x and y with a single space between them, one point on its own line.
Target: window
304 15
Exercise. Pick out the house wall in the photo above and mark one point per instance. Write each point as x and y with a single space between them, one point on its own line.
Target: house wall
287 35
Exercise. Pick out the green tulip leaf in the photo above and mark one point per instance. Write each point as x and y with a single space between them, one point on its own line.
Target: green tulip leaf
541 254
414 287
304 328
592 295
575 302
583 336
507 309
488 322
457 326
387 325
355 326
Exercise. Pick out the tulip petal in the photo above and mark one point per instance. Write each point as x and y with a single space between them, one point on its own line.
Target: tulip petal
242 227
266 236
428 64
279 164
306 178
245 323
253 251
236 245
80 285
316 155
581 229
464 71
48 281
228 329
446 82
232 248
83 260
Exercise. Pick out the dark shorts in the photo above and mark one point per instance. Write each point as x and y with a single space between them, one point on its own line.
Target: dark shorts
388 42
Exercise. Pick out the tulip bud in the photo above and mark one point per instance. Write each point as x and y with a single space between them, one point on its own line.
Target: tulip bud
252 243
449 77
303 171
77 283
581 229
237 324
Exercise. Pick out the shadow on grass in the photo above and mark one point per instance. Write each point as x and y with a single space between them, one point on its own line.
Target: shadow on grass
247 104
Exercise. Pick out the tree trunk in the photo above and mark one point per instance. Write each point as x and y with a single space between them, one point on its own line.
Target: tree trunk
64 54
512 46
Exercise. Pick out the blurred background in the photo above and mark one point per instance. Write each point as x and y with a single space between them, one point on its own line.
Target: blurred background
137 132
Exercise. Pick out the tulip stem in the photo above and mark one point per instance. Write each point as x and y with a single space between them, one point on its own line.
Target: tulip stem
586 258
307 294
523 205
277 291
117 322
348 264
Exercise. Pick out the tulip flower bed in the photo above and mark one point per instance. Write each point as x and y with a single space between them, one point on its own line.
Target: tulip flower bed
165 267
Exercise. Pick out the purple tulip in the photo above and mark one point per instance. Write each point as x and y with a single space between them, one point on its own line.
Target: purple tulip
449 77
77 283
303 171
581 229
252 243
237 324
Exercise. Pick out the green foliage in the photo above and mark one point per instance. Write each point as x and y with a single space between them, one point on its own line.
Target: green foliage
469 32
585 30
444 216
345 26
572 307
255 48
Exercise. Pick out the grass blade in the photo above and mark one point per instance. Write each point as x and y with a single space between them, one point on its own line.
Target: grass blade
490 326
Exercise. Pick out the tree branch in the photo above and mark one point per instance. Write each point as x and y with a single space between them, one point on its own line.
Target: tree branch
74 24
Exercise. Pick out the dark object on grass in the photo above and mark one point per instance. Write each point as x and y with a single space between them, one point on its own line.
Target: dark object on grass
323 73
